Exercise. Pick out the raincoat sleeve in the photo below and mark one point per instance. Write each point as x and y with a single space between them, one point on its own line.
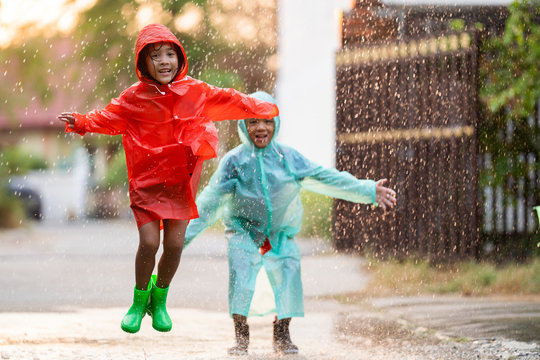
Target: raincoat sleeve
230 104
110 121
329 181
212 201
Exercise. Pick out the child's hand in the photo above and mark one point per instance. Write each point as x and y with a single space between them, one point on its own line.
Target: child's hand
68 118
384 196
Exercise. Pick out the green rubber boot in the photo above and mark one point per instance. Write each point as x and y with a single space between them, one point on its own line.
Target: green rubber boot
131 322
160 318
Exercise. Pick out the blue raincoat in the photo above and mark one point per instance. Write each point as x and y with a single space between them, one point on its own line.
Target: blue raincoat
256 192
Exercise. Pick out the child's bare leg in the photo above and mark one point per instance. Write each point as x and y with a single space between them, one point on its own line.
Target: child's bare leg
173 243
146 253
144 264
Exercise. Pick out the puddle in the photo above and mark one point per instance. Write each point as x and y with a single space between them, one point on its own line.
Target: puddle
367 330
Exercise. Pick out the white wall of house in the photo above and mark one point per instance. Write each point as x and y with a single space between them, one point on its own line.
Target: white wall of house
309 35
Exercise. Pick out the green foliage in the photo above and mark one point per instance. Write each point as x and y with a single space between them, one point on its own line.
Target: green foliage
17 161
117 176
176 5
512 78
509 92
457 24
224 79
318 212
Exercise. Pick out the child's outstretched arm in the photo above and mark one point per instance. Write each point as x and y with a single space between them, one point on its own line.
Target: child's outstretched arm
338 184
230 104
110 121
210 208
211 201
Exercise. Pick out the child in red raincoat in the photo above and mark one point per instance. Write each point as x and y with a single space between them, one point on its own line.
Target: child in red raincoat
166 121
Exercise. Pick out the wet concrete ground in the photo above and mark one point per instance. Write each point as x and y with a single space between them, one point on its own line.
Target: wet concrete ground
66 288
517 319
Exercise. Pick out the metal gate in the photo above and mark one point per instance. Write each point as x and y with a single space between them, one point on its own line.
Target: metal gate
406 111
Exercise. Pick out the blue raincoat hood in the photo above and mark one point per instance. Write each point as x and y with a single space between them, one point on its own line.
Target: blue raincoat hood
242 129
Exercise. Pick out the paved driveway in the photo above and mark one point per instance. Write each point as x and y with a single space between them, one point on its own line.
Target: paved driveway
65 289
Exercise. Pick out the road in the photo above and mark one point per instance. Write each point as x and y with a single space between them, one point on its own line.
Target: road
65 288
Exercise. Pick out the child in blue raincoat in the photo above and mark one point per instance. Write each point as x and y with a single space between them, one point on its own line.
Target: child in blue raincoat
256 191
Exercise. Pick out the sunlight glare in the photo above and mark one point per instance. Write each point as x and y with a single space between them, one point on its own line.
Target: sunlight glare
190 18
20 18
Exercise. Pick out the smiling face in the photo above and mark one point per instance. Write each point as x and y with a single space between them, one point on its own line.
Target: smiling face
162 62
260 131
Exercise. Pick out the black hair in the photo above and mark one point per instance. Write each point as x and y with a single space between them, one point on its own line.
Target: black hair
141 61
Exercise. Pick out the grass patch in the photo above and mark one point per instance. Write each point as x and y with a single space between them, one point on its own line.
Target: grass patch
410 278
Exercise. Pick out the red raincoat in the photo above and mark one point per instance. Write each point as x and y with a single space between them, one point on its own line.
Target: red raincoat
168 132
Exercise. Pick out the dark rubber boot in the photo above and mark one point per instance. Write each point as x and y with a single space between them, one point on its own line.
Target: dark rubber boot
157 308
241 332
131 322
282 338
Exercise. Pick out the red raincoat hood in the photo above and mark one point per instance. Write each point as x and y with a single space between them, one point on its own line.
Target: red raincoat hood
155 33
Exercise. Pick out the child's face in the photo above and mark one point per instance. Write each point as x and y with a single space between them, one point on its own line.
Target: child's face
260 131
162 62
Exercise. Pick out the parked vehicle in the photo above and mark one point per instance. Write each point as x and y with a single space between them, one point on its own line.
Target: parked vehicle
31 201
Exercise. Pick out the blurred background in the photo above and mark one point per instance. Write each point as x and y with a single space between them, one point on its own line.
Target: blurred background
441 97
77 55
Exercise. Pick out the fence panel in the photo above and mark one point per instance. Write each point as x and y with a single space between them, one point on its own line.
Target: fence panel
404 113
